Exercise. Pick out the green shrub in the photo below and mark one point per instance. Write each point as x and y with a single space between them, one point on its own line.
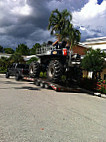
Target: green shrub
3 70
32 60
43 74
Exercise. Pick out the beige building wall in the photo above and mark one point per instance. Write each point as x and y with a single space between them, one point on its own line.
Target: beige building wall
103 74
87 74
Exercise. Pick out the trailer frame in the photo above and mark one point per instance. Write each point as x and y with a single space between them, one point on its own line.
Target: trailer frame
44 83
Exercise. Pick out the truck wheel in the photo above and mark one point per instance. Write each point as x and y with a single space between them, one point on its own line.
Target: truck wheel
17 77
7 75
34 69
54 71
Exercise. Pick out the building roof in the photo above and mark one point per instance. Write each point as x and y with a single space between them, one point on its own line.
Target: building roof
95 43
96 39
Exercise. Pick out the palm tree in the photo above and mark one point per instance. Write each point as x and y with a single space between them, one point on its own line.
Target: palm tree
58 22
61 26
73 35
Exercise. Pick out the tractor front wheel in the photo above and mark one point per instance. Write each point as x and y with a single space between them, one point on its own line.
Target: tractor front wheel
54 71
34 69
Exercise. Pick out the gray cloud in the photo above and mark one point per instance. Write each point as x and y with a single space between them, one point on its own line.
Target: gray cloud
71 5
92 19
26 21
20 25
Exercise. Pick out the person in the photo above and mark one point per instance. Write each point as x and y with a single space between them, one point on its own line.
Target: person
59 45
55 43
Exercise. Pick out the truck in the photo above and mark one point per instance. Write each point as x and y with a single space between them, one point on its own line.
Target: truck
18 70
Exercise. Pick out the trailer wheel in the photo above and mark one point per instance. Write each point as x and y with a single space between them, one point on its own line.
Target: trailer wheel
34 69
46 86
37 83
41 85
54 71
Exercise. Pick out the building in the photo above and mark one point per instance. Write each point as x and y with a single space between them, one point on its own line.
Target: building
96 43
26 58
5 55
80 49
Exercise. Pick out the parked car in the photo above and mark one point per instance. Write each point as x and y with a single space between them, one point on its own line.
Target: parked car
17 70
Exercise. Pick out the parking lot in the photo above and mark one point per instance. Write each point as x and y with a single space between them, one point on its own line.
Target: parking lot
29 113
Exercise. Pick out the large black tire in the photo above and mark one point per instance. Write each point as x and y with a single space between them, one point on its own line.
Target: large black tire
17 77
7 75
54 71
34 69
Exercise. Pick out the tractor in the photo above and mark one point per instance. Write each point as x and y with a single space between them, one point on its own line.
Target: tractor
57 61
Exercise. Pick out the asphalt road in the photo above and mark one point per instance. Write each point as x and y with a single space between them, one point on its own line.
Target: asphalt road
31 114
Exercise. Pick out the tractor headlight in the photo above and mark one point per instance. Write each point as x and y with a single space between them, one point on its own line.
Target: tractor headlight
54 52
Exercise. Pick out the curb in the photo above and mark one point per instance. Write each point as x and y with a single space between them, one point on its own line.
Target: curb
100 95
94 93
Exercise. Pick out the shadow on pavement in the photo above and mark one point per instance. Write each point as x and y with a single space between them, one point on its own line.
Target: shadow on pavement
28 88
10 82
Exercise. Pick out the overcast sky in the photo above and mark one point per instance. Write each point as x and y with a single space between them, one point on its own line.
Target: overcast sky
26 21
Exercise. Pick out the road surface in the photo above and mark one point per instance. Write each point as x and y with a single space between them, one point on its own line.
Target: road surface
31 114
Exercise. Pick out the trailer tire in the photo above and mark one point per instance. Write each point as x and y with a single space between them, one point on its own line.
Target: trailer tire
46 86
34 69
37 83
54 71
41 85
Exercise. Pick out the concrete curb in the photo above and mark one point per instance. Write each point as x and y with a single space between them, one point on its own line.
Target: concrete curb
100 95
94 93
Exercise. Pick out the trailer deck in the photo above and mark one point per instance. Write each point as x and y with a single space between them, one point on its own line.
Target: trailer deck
44 83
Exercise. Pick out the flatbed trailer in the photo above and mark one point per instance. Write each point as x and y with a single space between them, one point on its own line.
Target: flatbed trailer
44 83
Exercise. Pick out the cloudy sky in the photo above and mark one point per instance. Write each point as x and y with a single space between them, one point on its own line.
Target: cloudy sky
26 21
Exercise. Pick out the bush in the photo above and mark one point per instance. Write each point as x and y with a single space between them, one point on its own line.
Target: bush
32 60
89 84
43 74
101 86
3 70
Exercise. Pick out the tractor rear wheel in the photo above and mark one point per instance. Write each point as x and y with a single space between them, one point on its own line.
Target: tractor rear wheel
54 71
